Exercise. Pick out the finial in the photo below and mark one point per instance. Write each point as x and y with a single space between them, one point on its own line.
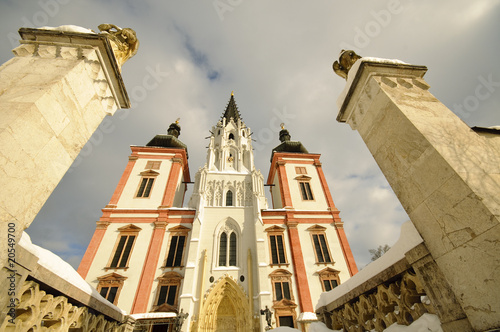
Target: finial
282 125
232 93
174 129
346 61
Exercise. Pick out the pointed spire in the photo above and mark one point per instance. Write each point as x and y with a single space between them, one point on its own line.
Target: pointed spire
231 109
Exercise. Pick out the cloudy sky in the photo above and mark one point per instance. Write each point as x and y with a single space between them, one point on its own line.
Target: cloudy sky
276 56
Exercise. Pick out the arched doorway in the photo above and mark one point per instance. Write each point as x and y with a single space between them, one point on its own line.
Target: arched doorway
226 308
226 316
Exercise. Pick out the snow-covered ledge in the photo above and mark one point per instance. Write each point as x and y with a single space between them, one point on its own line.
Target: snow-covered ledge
54 272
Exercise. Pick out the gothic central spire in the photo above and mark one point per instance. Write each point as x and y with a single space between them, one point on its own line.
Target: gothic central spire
231 110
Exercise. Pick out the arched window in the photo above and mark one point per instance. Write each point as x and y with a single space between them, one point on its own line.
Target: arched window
223 250
228 249
229 198
231 136
232 249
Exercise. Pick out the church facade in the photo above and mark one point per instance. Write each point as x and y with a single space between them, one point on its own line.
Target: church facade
227 261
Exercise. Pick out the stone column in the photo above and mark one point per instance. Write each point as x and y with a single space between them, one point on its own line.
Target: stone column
53 95
446 176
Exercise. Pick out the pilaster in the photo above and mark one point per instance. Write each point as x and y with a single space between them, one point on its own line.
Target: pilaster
173 180
299 268
143 292
286 198
91 251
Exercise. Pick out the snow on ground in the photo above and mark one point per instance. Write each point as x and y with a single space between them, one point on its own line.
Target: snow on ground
59 267
426 323
408 239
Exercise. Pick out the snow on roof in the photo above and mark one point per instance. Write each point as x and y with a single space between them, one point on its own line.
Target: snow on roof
59 267
153 315
408 239
354 69
69 28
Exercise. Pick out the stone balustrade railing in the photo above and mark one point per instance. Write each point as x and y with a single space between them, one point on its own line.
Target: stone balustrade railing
401 300
398 288
39 310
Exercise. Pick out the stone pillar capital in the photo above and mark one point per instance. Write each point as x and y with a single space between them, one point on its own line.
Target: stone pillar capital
102 224
93 47
357 94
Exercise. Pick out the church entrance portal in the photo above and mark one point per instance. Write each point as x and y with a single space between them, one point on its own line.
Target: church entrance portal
226 309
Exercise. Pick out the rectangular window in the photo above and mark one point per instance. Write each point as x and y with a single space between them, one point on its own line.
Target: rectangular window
282 290
167 295
277 249
123 249
153 164
145 187
330 284
300 170
175 251
321 248
109 293
305 190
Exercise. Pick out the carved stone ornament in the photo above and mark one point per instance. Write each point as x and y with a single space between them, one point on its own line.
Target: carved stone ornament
401 301
346 61
124 41
39 311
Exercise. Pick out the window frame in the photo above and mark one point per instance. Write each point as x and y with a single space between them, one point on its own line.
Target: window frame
231 253
109 281
328 274
153 164
281 276
300 170
319 231
146 175
277 231
306 191
176 231
229 191
228 249
168 279
283 307
126 231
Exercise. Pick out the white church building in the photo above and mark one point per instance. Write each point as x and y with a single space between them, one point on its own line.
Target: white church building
225 258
